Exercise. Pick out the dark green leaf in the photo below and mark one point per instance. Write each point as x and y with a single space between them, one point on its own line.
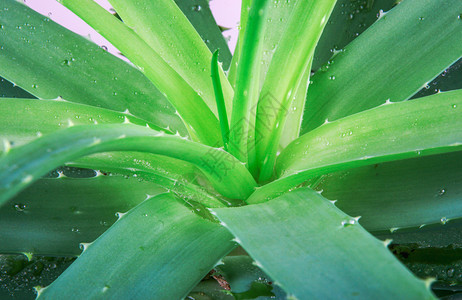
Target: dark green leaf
158 250
401 194
53 216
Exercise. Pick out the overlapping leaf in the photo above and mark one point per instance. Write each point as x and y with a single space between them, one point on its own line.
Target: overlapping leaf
50 61
163 26
159 249
426 126
392 60
23 165
303 241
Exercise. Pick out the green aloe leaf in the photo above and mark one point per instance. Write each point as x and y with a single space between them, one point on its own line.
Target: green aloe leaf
53 216
221 105
430 124
393 59
426 126
180 177
290 64
35 118
159 249
401 194
202 123
232 73
242 138
163 26
201 17
22 165
49 61
293 123
301 240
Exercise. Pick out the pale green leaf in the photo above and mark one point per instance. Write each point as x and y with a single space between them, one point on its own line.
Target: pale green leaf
425 126
201 122
163 26
392 60
34 118
158 250
304 242
289 65
242 138
430 124
22 165
37 118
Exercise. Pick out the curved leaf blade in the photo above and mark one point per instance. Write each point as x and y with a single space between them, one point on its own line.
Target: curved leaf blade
422 127
428 124
393 59
303 242
53 216
159 249
50 61
179 177
22 165
34 118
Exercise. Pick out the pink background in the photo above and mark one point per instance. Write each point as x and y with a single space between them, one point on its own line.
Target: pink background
226 13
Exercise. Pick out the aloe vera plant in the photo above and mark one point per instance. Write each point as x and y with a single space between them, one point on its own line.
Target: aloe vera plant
309 163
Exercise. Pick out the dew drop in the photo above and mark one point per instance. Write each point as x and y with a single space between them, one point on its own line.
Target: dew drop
20 207
444 220
454 106
348 222
75 229
441 192
197 8
104 47
332 77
